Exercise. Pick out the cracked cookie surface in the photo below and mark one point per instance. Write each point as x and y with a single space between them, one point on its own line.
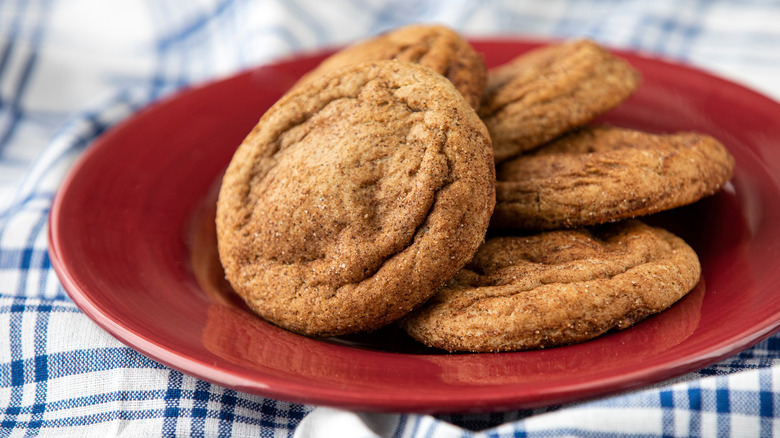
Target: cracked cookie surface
545 92
434 46
354 198
557 287
600 174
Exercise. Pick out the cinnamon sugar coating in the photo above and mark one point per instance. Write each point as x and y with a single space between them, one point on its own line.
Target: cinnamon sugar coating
557 287
434 46
355 198
602 173
543 93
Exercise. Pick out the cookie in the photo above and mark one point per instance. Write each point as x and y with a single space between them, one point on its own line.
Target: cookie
437 47
557 287
354 198
599 174
543 93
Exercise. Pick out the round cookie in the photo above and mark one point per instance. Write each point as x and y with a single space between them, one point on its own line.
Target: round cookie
548 91
599 174
557 287
434 46
354 199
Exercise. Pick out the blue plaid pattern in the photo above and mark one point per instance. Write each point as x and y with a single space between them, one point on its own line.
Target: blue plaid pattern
71 70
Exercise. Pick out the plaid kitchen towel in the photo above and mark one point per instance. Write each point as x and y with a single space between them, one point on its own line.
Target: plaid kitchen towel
69 70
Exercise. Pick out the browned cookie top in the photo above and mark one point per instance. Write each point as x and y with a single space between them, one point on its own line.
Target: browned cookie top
599 174
437 47
354 198
545 92
557 287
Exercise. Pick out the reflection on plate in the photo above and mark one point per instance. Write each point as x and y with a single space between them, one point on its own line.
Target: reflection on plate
132 239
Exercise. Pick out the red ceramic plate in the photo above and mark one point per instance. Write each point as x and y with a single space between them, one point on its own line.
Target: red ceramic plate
132 239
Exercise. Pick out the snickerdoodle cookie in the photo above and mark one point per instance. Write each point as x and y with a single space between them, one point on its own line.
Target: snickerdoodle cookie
557 287
599 174
434 46
548 91
355 198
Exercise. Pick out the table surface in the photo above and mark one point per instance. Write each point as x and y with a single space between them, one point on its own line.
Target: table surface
71 70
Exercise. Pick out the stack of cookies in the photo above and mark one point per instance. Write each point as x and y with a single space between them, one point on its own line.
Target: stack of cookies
364 196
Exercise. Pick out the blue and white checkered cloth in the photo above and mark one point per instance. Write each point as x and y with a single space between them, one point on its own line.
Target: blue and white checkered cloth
71 69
